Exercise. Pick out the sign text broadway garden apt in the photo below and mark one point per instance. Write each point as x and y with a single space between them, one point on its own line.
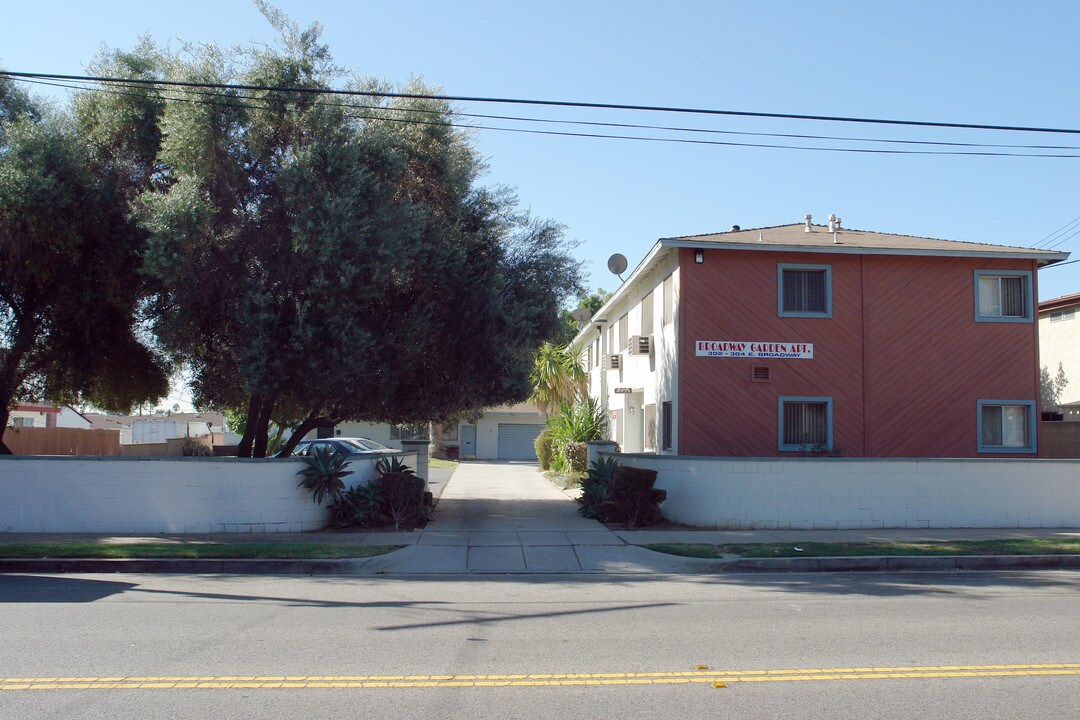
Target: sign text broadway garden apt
734 349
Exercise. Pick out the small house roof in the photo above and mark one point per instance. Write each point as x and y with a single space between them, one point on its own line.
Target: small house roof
1057 303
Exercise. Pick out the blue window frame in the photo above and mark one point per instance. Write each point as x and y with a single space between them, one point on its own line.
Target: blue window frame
1006 426
803 290
1003 296
804 423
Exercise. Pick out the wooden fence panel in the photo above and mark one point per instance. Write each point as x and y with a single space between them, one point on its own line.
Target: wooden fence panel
62 441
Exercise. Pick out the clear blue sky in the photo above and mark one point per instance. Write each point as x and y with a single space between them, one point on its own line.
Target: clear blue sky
1002 63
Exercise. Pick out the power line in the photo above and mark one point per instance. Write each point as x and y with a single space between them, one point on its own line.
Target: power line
549 103
1061 229
1060 264
550 132
631 125
1053 245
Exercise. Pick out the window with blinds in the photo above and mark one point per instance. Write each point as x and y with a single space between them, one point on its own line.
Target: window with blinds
805 423
1006 426
1002 297
804 290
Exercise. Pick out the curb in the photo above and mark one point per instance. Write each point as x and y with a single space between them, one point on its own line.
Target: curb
377 565
184 566
894 563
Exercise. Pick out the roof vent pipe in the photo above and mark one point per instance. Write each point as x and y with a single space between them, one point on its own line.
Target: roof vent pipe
832 222
809 227
735 228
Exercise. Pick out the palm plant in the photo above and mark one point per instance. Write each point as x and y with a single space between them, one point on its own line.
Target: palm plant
558 376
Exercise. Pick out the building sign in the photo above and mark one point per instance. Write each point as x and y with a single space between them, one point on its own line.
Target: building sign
748 349
623 390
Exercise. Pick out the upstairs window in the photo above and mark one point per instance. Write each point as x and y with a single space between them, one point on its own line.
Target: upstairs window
1002 296
1062 315
804 291
1006 426
805 423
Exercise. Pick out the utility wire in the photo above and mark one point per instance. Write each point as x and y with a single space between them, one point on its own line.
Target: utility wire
575 134
549 103
1060 264
1051 246
607 124
1061 229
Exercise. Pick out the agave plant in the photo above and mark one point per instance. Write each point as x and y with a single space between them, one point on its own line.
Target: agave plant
323 474
393 466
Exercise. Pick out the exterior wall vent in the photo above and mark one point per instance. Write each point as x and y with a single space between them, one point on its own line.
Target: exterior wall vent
760 374
640 345
614 362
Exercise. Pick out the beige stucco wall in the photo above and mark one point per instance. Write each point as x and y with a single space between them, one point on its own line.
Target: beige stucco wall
1059 342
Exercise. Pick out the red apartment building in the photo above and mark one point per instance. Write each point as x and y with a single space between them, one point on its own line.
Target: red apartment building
795 339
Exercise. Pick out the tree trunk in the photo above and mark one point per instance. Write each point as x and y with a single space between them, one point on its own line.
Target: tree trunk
10 377
244 448
435 440
262 427
5 413
309 423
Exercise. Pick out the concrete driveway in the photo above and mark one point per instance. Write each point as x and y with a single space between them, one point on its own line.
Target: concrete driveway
498 517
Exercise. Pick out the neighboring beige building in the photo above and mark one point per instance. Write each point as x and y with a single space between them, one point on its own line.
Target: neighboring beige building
1059 343
502 433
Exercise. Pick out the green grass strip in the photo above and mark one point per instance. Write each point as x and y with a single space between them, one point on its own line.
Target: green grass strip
439 463
194 550
1031 546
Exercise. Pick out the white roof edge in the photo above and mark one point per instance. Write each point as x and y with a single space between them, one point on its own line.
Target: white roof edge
620 291
1048 255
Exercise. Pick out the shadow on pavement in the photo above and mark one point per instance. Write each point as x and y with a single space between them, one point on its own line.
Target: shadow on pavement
43 589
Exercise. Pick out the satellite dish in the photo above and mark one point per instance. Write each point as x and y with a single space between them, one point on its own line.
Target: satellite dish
582 315
617 264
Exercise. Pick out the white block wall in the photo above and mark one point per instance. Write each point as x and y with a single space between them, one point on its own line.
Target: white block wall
169 495
834 493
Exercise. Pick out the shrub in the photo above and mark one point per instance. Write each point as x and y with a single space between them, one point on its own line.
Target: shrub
195 449
573 425
577 456
544 450
595 487
632 499
323 474
361 505
403 499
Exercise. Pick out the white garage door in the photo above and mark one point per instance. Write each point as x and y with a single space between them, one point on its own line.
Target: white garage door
516 441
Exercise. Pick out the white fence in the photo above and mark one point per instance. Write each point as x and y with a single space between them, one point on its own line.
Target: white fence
812 493
171 495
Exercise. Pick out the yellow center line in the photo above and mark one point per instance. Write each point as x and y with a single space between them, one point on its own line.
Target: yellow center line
718 678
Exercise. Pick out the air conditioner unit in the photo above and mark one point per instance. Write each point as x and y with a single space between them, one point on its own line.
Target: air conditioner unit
640 345
614 362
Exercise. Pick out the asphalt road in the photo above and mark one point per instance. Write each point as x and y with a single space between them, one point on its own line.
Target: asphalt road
476 647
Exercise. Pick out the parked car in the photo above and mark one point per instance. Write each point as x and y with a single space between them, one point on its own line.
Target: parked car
349 446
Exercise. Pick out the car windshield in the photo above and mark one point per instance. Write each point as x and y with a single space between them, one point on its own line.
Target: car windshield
365 444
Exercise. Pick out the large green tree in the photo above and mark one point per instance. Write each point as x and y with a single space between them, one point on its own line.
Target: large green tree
69 270
320 260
